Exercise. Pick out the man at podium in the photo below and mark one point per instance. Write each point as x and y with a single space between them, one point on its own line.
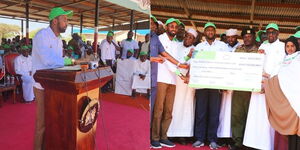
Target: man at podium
47 53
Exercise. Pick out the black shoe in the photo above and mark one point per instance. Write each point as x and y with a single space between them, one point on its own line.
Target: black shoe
155 145
167 143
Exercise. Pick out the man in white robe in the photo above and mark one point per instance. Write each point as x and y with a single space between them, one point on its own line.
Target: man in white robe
182 124
224 130
258 133
23 67
141 75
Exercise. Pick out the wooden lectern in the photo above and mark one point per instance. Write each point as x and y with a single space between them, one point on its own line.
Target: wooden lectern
71 106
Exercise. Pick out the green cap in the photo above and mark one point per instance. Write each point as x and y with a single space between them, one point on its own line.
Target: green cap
222 34
170 20
110 33
152 17
143 53
58 11
70 47
24 47
6 46
297 28
258 34
131 50
272 25
181 23
297 34
209 24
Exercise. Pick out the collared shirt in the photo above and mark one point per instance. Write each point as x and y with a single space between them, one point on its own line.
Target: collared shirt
23 65
232 49
128 44
215 46
108 51
47 51
275 53
166 69
145 47
155 48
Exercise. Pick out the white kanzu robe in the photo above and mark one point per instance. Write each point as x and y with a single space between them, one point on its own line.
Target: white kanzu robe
258 133
224 129
182 124
144 69
23 65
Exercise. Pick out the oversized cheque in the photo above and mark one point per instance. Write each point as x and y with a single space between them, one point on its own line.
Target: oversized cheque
226 70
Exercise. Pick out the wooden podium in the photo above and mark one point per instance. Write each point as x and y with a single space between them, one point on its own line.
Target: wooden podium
71 106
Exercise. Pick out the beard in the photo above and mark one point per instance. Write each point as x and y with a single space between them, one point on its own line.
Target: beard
60 28
172 34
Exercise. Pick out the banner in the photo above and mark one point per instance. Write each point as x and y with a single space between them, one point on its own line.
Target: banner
226 70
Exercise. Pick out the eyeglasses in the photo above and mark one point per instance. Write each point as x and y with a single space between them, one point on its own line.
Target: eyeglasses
273 32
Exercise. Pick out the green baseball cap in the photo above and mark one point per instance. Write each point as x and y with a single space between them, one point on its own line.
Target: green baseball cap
143 53
154 19
297 28
70 47
131 50
258 34
181 23
272 25
209 24
222 34
58 11
110 33
24 47
6 46
170 20
297 34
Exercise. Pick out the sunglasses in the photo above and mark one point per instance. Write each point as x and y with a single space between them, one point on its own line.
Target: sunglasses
273 32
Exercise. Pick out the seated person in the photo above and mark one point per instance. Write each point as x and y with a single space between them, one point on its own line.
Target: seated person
87 58
141 74
23 67
129 55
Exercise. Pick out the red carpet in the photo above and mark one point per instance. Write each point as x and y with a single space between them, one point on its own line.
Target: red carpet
189 147
121 125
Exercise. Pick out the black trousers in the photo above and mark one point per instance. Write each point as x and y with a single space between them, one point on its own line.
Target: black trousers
208 103
294 142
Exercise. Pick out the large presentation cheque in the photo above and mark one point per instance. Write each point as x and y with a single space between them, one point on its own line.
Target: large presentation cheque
226 70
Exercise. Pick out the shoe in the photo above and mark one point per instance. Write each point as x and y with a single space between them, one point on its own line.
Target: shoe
213 145
167 143
198 144
155 145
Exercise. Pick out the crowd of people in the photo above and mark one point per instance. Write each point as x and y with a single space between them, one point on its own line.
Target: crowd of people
239 119
77 51
129 53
